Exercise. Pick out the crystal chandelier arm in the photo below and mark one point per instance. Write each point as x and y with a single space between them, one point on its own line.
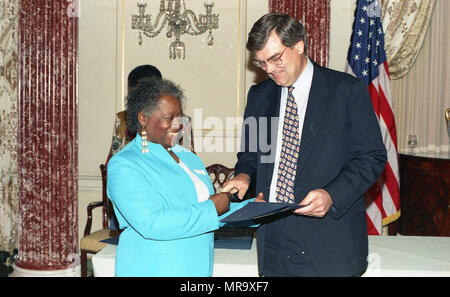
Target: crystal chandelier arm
193 25
150 31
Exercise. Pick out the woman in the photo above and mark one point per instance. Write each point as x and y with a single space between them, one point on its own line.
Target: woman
162 195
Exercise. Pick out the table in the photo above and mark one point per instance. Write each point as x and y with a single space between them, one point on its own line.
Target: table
388 256
408 256
227 262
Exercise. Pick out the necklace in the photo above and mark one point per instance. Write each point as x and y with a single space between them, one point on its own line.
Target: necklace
172 154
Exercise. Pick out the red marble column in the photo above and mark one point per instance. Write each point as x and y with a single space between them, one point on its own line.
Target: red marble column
48 135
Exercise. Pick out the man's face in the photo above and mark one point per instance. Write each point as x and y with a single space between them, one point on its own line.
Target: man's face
293 61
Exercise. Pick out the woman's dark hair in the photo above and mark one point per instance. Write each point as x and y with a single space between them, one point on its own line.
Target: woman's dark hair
145 98
140 72
288 29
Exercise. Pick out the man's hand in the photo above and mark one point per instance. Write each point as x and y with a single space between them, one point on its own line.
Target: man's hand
318 204
260 198
239 183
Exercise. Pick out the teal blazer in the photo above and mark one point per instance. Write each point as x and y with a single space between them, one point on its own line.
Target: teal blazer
166 231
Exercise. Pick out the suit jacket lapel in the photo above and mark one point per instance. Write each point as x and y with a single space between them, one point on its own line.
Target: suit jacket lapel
314 117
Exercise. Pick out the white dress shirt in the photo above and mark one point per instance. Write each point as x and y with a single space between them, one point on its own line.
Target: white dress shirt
301 93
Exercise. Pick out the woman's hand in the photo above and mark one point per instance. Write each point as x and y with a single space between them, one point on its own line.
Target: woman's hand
221 202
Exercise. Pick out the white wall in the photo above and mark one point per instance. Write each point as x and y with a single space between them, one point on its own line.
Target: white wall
97 81
97 95
341 22
215 79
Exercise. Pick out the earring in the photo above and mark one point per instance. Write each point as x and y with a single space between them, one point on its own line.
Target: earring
144 142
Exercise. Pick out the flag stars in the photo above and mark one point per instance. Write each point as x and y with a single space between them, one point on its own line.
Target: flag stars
367 53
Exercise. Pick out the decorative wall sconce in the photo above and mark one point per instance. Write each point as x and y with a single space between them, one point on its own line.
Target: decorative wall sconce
179 21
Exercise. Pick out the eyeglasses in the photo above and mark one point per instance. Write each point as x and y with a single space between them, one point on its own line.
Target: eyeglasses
275 60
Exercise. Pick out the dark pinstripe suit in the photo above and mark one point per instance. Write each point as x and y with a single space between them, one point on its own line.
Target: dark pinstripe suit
341 151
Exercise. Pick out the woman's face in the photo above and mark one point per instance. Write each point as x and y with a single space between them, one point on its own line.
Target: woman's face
162 126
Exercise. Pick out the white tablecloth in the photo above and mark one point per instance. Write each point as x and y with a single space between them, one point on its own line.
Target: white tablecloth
408 256
227 262
388 256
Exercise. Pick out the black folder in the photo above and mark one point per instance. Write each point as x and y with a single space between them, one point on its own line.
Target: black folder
257 210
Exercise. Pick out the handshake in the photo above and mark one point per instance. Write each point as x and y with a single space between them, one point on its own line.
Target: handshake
233 191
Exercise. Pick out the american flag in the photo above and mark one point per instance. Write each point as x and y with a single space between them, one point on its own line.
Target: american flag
367 61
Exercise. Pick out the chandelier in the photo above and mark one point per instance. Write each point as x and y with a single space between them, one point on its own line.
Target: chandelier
179 21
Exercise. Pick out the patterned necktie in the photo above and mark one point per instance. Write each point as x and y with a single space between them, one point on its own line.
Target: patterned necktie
290 146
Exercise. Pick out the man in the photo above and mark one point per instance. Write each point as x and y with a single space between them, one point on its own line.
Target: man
325 152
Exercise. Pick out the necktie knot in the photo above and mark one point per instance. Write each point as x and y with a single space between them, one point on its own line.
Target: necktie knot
290 90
